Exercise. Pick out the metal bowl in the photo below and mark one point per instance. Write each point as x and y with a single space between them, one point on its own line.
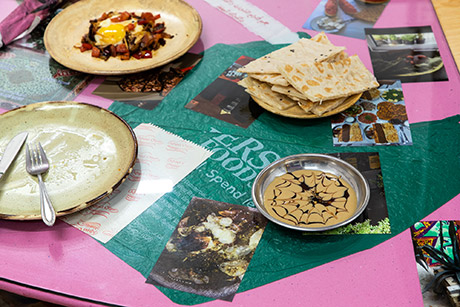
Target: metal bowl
317 162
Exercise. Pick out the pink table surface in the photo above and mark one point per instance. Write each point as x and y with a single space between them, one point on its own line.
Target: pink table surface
65 266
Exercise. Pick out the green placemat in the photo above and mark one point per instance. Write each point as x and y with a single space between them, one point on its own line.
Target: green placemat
418 179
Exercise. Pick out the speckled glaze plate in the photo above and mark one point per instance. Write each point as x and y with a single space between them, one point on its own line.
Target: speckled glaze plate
91 152
67 28
297 112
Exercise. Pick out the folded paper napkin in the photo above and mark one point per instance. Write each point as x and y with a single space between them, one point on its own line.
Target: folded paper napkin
24 19
164 159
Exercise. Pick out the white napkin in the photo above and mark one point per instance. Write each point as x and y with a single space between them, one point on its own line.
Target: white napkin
256 21
164 159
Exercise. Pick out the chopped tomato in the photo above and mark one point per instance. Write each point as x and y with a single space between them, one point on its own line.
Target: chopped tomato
104 16
149 16
85 46
130 26
95 52
125 56
147 55
122 17
121 48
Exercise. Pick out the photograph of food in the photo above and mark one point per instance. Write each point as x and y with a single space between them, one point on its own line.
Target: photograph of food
308 79
210 249
436 249
225 100
147 89
124 35
345 17
408 54
378 118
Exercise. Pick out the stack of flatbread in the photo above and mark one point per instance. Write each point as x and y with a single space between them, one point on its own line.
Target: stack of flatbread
312 74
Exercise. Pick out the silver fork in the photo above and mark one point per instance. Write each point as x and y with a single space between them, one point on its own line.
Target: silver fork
37 164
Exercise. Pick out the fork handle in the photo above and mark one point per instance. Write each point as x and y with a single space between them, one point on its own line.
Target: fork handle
46 208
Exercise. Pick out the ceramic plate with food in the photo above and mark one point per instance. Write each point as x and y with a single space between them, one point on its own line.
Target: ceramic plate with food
115 37
91 152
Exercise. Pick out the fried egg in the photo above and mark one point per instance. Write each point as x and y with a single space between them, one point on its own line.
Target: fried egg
113 33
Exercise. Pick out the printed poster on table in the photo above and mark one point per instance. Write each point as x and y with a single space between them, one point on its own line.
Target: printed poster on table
378 118
345 17
437 253
225 100
28 74
147 89
409 54
210 249
375 218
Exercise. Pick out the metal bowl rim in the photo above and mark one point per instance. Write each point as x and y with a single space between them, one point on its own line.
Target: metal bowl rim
311 229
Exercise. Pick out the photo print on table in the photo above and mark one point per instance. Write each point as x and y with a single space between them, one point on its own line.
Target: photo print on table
437 254
28 76
210 249
374 219
347 18
409 54
147 89
379 117
225 100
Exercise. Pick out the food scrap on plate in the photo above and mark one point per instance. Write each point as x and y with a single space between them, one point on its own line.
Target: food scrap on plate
311 74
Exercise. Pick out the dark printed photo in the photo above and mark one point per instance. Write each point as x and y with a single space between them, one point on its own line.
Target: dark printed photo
210 249
378 118
374 219
408 54
436 249
147 89
225 100
347 18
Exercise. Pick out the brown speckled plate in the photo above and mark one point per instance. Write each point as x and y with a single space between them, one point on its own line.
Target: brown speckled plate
297 112
67 28
91 152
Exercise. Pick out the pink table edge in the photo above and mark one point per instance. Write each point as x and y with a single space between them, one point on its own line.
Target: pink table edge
384 275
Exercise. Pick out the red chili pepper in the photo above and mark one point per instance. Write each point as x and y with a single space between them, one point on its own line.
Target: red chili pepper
142 21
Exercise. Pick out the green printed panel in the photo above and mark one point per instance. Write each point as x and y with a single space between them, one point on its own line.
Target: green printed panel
413 177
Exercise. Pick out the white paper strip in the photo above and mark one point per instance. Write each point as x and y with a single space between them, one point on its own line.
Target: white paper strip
256 21
164 159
